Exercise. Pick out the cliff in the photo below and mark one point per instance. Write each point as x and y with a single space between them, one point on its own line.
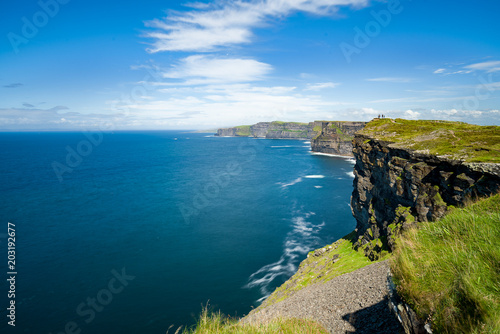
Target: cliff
271 130
237 131
330 137
335 137
408 172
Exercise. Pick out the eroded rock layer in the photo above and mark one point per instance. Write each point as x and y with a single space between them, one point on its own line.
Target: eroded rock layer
396 187
335 137
272 130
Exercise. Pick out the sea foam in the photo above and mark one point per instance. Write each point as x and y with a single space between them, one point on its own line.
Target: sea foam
302 239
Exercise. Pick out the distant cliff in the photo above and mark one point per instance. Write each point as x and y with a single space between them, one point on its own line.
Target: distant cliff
330 137
271 130
413 171
335 137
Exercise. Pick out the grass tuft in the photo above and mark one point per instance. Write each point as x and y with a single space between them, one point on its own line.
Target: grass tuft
216 323
450 269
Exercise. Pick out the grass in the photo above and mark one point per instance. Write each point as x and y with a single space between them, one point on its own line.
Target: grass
455 140
216 323
450 269
243 130
322 265
317 128
285 123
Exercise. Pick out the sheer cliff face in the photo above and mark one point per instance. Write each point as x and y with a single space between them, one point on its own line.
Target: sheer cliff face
282 130
272 130
335 137
395 188
227 132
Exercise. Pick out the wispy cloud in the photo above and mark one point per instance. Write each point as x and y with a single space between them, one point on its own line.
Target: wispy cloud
420 100
230 104
321 85
489 66
226 22
49 119
392 79
202 69
13 85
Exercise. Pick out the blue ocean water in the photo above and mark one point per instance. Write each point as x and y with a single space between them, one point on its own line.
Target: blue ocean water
131 232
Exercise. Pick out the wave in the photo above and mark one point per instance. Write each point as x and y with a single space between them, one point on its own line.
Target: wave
284 185
300 179
318 187
301 240
351 174
349 159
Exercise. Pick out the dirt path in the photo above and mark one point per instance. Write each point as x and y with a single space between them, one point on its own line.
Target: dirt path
351 303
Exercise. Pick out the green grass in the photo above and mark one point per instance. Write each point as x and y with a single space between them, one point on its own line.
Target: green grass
216 323
285 123
320 267
455 140
450 269
243 130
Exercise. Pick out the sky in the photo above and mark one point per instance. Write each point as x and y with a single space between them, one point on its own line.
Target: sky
150 64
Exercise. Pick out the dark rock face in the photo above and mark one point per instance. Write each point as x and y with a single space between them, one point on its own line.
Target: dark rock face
227 132
335 137
411 323
396 188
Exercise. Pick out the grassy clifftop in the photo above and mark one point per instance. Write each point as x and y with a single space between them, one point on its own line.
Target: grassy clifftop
449 270
453 140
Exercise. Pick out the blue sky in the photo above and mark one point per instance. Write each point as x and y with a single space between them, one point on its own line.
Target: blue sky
76 65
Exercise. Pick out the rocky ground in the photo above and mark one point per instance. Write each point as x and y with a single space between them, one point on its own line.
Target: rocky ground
356 302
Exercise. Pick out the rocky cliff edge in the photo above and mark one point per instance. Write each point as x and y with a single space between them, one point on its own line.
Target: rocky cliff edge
413 171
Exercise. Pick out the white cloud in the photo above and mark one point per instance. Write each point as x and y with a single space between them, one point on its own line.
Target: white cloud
439 71
232 104
199 69
389 79
412 114
492 86
490 66
226 22
421 100
457 114
321 85
53 119
307 76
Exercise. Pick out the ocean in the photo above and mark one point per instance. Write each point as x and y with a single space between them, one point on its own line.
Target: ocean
132 232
